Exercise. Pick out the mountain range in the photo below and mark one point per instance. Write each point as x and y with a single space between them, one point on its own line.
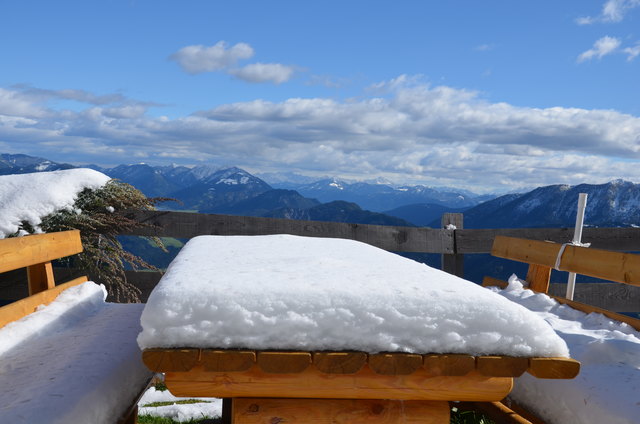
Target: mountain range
235 191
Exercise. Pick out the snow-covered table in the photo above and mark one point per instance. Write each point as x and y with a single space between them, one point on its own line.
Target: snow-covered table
341 323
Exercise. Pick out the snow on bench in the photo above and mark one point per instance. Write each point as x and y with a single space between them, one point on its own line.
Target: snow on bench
74 360
607 389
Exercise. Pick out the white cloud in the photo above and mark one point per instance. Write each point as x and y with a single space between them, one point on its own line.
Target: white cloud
612 11
406 131
264 72
198 58
632 52
602 47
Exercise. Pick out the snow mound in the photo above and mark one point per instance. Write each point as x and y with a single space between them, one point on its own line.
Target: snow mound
607 390
303 293
205 408
30 197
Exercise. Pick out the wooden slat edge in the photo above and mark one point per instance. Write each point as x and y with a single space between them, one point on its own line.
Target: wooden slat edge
23 307
283 362
395 363
501 366
558 368
216 360
633 322
20 252
170 360
339 362
449 365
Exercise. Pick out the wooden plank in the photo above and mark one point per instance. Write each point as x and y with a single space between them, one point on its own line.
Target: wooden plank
23 307
339 362
613 266
165 360
312 383
565 368
453 263
20 252
338 411
187 225
40 278
395 363
538 277
452 364
283 362
227 360
501 366
616 239
524 250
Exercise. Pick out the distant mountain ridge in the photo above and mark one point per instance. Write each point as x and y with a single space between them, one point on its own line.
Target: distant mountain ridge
233 190
613 204
383 196
24 164
209 189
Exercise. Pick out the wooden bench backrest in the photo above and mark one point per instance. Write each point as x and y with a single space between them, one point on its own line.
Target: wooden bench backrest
35 252
542 257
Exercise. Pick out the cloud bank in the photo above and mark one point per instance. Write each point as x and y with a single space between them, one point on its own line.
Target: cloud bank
198 59
403 130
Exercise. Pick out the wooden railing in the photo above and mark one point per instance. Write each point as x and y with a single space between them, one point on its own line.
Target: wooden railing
452 244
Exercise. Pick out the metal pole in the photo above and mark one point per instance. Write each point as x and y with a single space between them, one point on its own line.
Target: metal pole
577 239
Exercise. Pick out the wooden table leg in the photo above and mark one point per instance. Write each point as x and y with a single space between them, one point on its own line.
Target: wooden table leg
338 411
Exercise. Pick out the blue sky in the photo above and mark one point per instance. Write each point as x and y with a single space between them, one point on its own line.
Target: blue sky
490 95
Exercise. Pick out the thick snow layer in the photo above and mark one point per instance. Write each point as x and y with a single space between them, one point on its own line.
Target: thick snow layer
206 408
30 197
607 390
73 361
289 292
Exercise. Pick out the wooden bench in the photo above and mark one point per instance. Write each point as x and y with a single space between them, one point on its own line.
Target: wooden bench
76 355
543 257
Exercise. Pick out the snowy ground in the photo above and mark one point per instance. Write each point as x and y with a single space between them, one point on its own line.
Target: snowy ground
205 408
607 390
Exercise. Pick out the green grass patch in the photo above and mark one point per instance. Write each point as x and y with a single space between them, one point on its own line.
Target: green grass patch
177 402
468 417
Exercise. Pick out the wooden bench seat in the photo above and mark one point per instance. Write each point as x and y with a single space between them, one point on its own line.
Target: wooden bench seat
75 360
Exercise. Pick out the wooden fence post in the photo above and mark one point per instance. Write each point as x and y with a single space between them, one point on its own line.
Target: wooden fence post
453 263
